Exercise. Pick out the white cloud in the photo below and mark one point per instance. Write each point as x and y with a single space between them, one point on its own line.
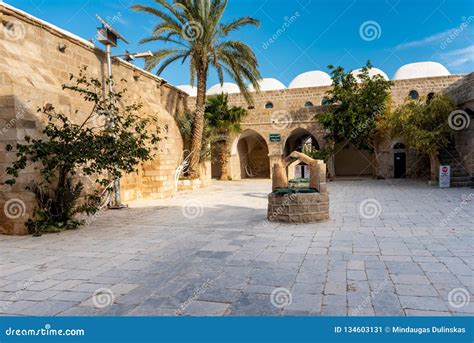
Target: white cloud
425 41
459 57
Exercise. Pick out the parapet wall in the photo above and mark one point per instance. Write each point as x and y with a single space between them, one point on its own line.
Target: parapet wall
35 61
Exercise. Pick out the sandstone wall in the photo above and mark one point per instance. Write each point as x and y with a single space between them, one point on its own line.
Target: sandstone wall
289 114
463 94
32 70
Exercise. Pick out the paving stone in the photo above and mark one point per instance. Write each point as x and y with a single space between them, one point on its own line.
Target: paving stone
154 262
416 290
335 288
305 302
204 308
423 303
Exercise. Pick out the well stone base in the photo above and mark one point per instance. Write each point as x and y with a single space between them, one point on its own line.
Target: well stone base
299 208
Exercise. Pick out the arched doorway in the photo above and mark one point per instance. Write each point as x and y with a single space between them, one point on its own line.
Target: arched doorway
399 161
252 150
298 140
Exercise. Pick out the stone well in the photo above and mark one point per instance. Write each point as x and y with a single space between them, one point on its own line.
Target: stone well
300 205
298 208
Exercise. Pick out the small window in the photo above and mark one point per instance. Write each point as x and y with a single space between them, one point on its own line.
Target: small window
269 105
251 107
308 104
413 94
325 102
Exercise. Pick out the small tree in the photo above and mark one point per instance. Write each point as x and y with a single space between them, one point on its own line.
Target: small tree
424 126
223 121
354 106
101 152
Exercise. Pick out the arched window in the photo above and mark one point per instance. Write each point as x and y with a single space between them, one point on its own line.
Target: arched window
413 94
269 105
325 102
308 104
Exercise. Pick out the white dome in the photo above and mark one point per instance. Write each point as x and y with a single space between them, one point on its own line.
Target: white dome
192 91
268 85
372 73
421 69
314 78
226 87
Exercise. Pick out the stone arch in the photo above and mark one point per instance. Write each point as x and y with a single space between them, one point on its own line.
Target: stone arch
297 139
250 156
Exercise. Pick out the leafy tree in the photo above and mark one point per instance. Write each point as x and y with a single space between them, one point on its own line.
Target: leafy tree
322 154
355 104
69 150
194 28
223 120
424 126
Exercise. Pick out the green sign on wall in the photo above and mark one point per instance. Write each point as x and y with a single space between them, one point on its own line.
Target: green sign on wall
275 137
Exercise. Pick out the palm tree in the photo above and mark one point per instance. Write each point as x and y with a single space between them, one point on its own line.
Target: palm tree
223 121
194 28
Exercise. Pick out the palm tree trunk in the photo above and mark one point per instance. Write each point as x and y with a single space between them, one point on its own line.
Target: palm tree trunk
198 124
224 160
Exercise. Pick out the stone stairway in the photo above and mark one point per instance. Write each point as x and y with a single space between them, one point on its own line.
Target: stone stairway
459 176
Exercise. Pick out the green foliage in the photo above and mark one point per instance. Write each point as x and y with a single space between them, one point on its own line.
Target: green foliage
221 118
423 124
322 154
185 123
354 107
199 37
112 140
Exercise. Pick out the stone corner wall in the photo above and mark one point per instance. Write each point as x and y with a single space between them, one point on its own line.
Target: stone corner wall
36 59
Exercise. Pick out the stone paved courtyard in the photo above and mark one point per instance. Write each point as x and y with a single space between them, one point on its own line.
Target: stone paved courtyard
390 248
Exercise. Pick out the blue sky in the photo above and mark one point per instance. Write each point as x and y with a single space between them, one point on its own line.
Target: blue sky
317 32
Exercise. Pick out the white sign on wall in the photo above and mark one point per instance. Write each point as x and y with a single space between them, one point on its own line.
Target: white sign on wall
444 176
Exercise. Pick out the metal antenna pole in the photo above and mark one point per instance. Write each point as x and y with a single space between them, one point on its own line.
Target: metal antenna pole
117 195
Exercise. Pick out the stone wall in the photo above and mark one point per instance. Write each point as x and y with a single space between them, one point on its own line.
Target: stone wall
289 114
32 71
463 94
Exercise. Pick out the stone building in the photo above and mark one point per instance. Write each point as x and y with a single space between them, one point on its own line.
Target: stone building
282 119
36 59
